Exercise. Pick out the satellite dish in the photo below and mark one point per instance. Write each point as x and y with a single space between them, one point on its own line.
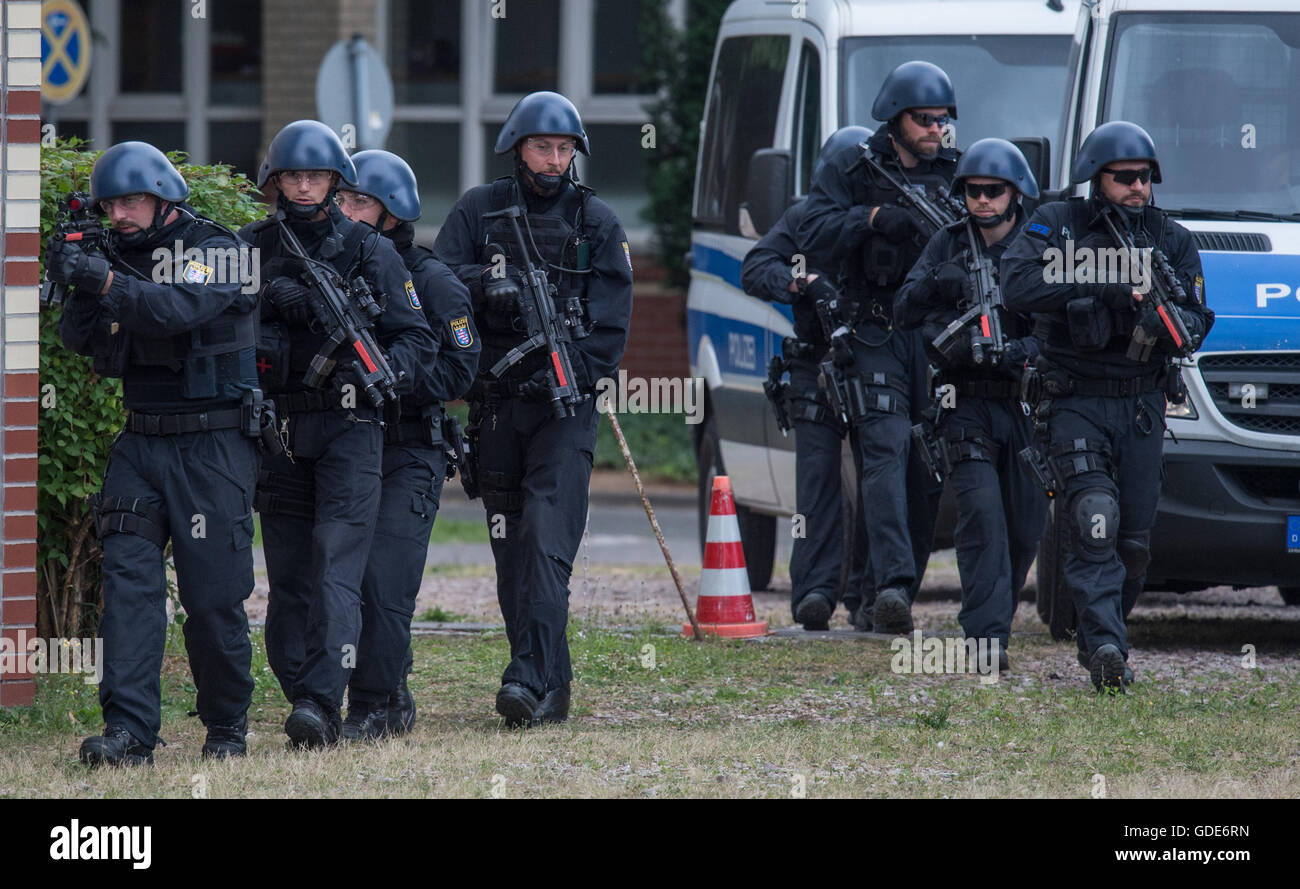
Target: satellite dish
354 94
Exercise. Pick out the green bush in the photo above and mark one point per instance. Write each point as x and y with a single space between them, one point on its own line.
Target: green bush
82 412
660 446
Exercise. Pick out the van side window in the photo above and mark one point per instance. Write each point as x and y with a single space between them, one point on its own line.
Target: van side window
807 116
741 118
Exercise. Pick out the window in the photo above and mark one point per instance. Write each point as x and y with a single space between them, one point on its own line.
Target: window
433 151
424 51
165 135
236 142
236 47
618 170
151 46
807 118
741 118
616 49
527 47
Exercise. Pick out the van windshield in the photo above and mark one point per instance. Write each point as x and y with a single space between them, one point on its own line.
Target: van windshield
1220 95
1007 85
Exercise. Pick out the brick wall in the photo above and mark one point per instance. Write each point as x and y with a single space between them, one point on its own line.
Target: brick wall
656 345
20 83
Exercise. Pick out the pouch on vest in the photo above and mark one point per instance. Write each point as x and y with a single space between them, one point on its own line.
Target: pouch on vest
1090 324
272 356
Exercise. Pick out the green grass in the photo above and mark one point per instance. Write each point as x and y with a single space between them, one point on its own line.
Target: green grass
660 445
437 615
459 531
661 716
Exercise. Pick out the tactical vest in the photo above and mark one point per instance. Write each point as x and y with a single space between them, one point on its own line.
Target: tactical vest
213 362
556 246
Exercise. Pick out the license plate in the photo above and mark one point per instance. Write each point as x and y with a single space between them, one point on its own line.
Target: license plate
1293 533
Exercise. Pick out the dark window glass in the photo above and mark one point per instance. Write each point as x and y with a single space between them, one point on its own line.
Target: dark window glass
527 47
616 51
807 117
617 170
236 41
236 143
78 128
163 135
151 46
433 151
495 165
424 51
741 118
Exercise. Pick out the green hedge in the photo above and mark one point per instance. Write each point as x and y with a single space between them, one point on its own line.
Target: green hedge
82 412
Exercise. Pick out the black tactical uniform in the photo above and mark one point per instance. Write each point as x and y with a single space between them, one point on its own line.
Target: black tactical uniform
1001 512
319 500
535 469
415 463
899 500
1104 412
181 467
816 557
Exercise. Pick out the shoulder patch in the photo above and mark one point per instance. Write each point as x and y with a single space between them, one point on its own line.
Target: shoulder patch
1039 230
627 252
196 273
460 331
1198 290
411 294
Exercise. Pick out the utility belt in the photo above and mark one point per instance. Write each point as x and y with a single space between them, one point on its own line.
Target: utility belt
977 388
1049 381
254 418
426 429
307 402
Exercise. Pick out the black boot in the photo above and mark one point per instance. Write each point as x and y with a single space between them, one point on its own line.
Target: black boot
1106 668
401 710
310 725
226 740
554 706
893 611
116 747
814 612
365 721
518 704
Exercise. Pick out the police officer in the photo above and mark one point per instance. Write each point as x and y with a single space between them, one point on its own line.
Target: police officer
1000 511
854 225
319 500
1104 405
181 334
387 198
773 270
534 467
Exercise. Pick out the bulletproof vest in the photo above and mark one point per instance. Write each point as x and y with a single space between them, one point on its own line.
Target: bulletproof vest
874 273
558 244
209 364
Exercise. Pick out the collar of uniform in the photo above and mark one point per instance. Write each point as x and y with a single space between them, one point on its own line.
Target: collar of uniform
402 236
535 203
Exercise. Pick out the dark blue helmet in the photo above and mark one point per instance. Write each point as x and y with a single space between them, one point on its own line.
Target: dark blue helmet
307 145
914 85
389 179
135 167
539 113
997 159
1118 140
839 140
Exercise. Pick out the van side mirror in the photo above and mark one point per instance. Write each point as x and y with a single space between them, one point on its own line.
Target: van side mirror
1038 154
767 188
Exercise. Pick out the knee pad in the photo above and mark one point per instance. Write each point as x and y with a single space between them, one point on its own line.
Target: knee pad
1135 552
1095 513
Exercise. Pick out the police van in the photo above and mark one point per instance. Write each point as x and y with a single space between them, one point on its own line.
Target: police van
786 75
1215 83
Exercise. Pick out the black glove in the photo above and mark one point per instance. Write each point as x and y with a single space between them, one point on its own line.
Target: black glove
895 223
67 263
950 280
502 295
290 299
820 289
1117 296
842 350
537 388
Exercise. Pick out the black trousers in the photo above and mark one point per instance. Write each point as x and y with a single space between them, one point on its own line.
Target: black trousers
198 490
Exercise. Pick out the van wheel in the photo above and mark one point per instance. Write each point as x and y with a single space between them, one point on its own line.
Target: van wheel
757 531
1055 607
1290 594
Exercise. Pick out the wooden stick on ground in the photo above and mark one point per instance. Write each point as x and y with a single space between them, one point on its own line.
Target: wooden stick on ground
650 513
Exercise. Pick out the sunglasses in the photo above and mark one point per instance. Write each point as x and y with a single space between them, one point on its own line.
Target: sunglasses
1128 177
996 190
922 119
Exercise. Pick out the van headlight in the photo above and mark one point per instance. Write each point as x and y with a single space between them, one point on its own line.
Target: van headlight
1184 411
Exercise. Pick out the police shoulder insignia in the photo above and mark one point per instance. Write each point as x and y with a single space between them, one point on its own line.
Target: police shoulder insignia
411 295
1198 290
196 273
627 253
1038 229
460 330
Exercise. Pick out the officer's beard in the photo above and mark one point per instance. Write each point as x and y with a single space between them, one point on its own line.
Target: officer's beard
543 185
995 221
303 212
922 152
142 236
1132 215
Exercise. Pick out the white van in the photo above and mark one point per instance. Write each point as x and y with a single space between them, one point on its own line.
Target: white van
1217 85
786 75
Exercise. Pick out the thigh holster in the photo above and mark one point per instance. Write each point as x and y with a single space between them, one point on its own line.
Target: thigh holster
128 515
279 494
965 444
886 393
501 492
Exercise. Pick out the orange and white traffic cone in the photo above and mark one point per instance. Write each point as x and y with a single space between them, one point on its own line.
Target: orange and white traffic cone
725 606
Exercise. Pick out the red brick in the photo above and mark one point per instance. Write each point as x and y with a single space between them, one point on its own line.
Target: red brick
17 694
20 413
20 555
16 612
21 273
26 130
18 584
22 243
20 469
21 385
20 498
24 101
21 526
20 441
